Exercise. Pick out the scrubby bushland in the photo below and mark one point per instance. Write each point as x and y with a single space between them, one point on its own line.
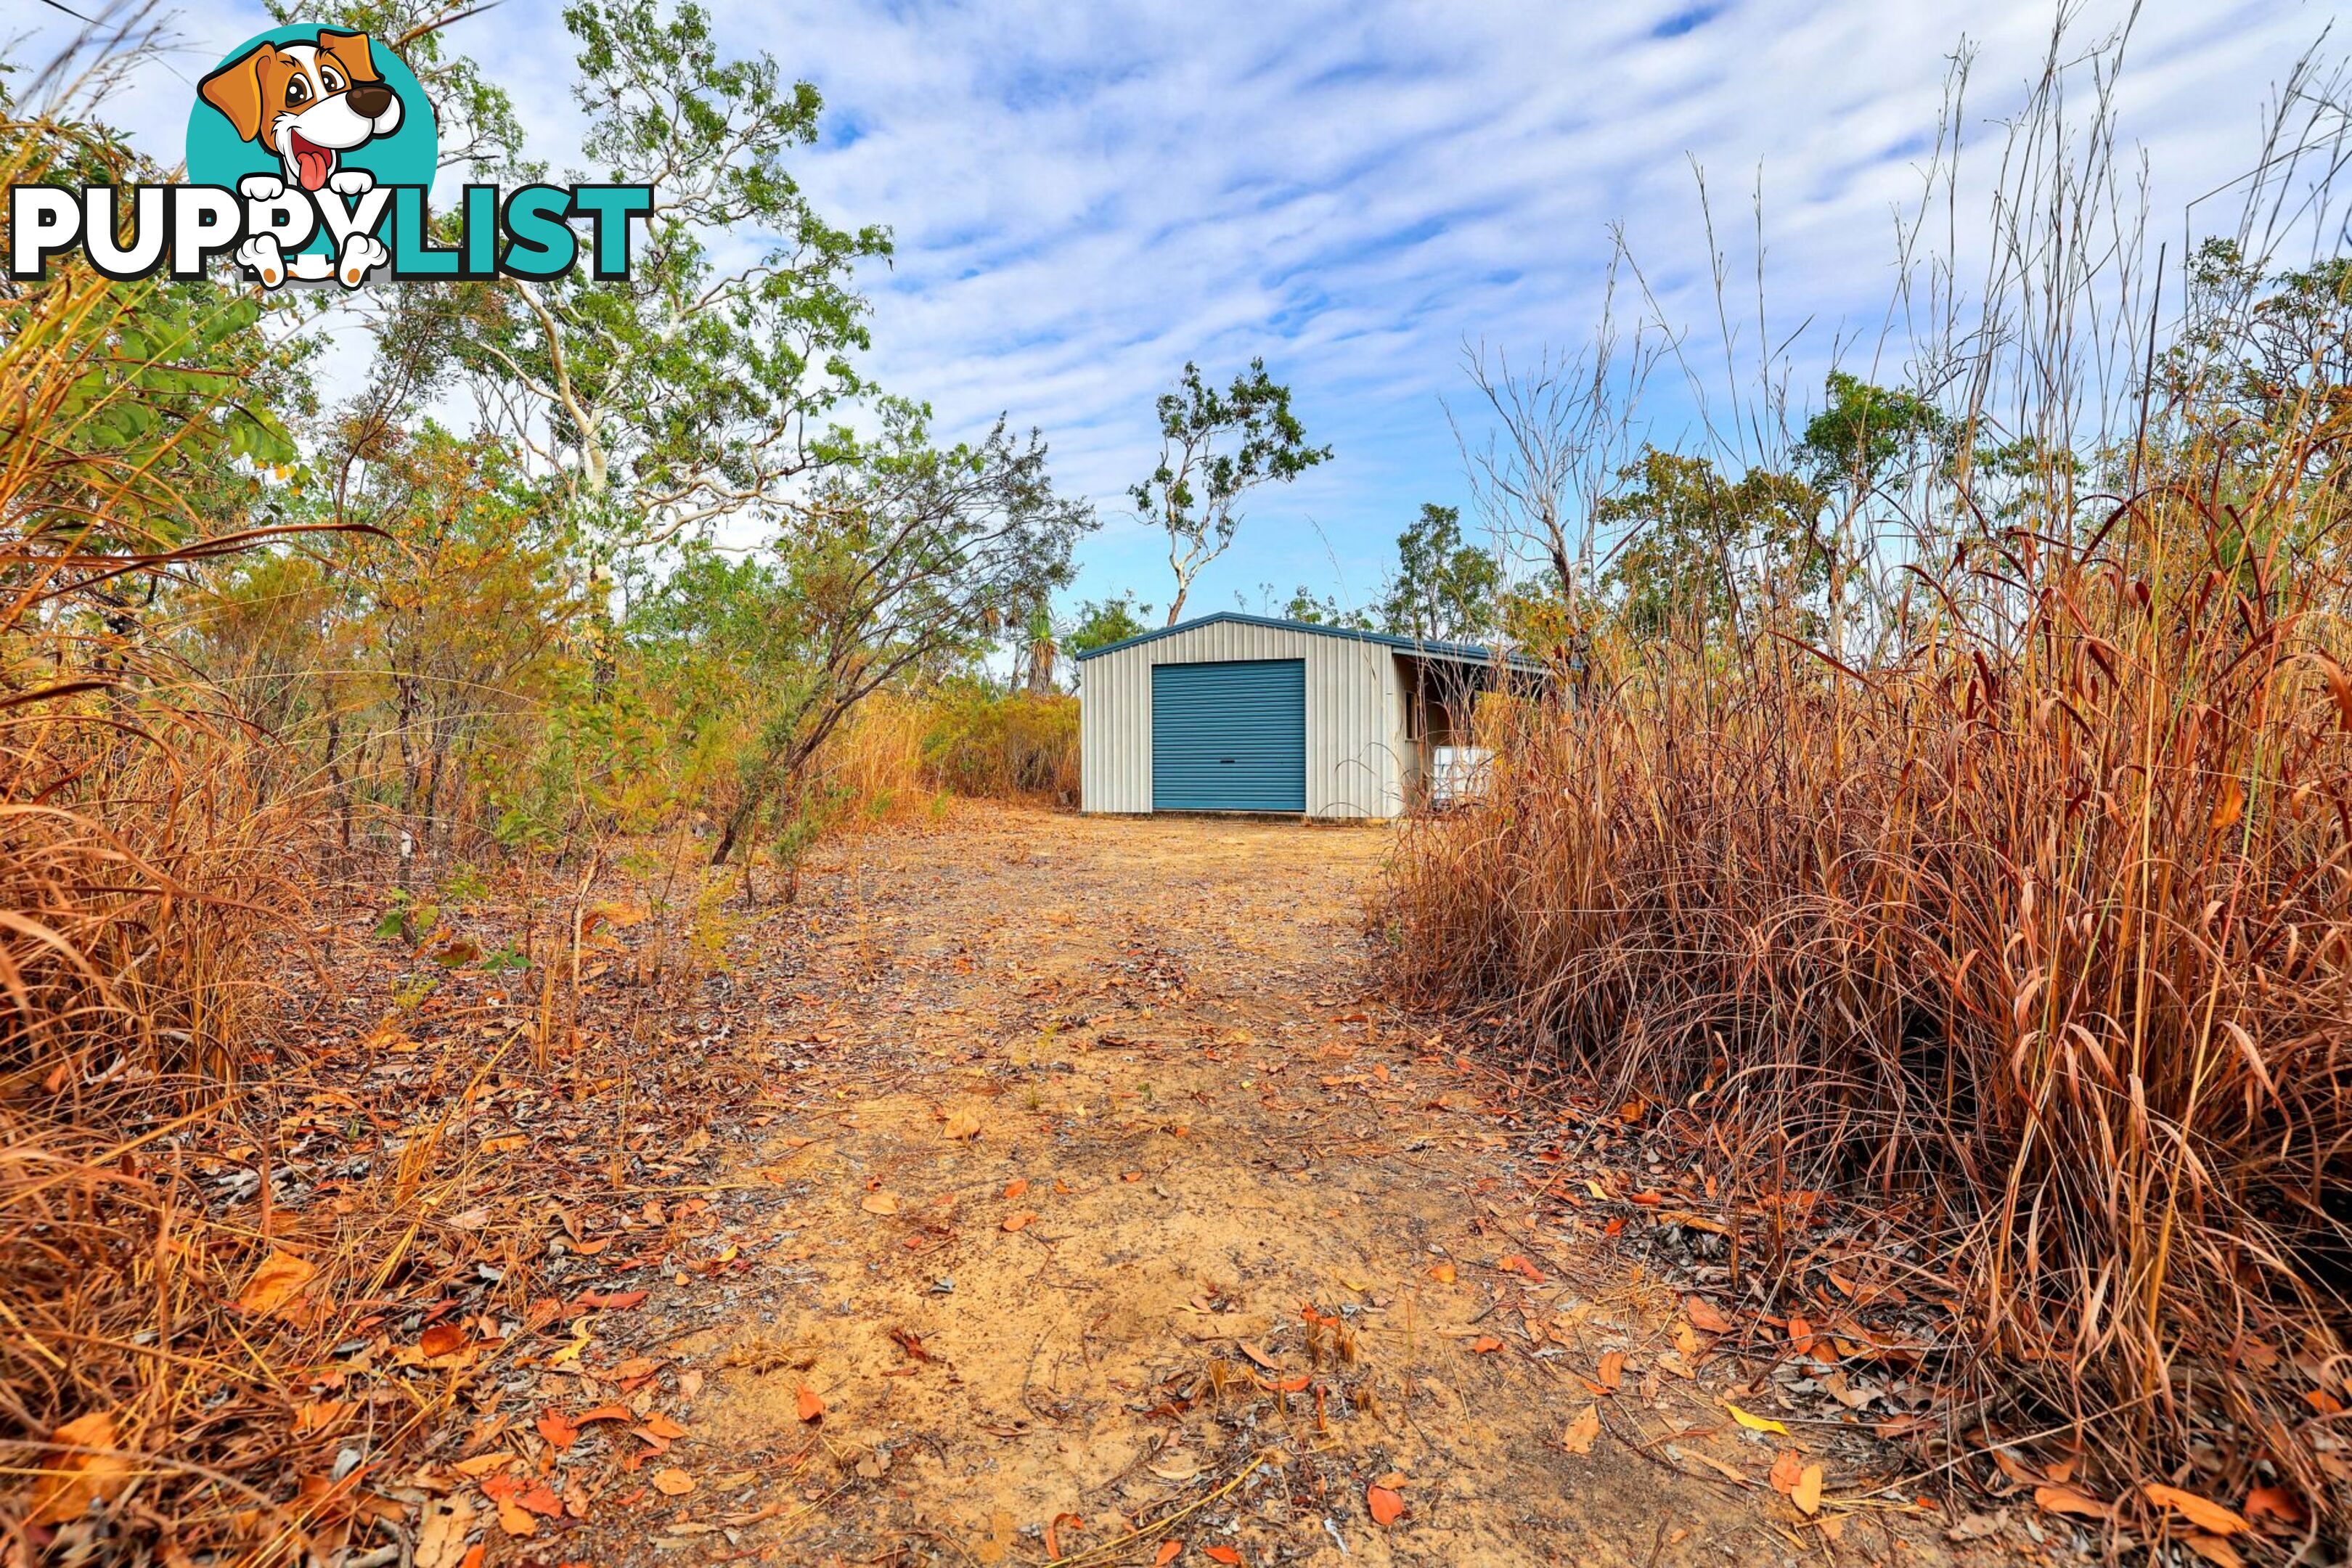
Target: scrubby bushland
1956 811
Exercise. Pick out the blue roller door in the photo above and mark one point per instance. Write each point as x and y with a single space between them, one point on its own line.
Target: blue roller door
1229 736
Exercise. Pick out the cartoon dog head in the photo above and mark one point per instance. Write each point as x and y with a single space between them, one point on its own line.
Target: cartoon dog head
309 103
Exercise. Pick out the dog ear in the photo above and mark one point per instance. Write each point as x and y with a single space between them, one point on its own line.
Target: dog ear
236 90
352 51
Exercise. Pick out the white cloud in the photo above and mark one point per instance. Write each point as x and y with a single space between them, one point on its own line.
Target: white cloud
1086 195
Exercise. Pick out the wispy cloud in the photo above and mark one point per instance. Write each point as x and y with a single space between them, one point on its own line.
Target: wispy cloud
1087 196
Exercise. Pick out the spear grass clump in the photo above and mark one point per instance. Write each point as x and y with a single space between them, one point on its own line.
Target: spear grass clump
2008 885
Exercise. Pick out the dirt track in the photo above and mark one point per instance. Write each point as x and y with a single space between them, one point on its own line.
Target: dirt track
1100 1188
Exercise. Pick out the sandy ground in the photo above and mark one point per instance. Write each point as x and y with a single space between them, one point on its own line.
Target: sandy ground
1105 1215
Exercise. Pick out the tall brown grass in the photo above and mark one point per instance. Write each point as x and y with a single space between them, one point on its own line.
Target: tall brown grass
147 862
901 753
2025 910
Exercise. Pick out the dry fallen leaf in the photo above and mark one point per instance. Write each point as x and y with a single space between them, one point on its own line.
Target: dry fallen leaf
879 1202
1787 1472
1612 1370
1018 1221
2202 1513
2276 1503
1016 1187
1221 1554
1578 1438
2066 1499
811 1405
1807 1495
557 1428
2214 1550
1755 1422
1705 1317
1385 1503
964 1124
277 1281
1169 1551
441 1533
1486 1344
72 1482
673 1482
1442 1272
440 1340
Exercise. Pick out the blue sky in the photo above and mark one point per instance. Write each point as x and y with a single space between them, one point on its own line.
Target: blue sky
1085 195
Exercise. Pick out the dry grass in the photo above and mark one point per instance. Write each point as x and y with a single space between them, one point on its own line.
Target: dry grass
2029 918
900 754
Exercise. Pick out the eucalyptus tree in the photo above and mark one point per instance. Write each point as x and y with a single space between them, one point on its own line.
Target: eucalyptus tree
1215 448
654 404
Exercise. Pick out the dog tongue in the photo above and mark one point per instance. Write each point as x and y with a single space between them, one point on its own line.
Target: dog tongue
313 164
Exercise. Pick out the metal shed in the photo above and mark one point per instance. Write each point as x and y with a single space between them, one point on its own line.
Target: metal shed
1248 713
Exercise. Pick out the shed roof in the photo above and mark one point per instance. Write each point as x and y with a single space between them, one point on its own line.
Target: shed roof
1453 652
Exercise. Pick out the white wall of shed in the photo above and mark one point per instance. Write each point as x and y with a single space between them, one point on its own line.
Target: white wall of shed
1356 744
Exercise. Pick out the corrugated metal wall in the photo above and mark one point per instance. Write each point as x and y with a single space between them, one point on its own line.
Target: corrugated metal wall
1356 745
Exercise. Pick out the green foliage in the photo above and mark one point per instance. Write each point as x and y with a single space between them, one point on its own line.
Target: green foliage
160 403
1445 590
1102 622
683 393
1864 434
1215 448
903 561
1697 545
1310 610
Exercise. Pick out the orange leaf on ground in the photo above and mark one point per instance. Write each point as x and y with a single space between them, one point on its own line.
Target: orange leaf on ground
277 1281
557 1429
1221 1554
1485 1345
1612 1370
2276 1503
72 1482
1705 1317
2202 1513
602 1413
1385 1503
1787 1471
440 1340
811 1405
1018 1221
1442 1272
2214 1550
515 1521
879 1202
1015 1188
1578 1438
1807 1495
1169 1551
673 1482
2066 1499
964 1124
